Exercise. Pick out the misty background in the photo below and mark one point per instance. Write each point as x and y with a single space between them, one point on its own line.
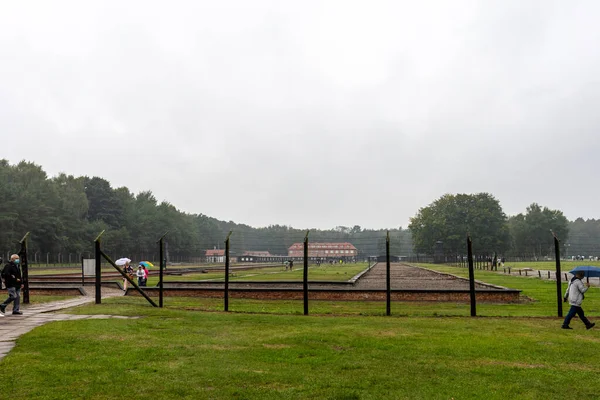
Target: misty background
309 114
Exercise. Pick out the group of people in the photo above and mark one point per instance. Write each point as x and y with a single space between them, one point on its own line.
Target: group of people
141 274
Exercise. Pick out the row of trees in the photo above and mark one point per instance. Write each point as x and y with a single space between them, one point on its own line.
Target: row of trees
451 217
65 214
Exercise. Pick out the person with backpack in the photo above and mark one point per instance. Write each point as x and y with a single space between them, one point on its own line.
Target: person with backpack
574 295
11 274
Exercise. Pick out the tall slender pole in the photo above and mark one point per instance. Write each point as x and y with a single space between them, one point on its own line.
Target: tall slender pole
98 256
305 275
226 294
471 277
558 278
161 251
24 268
388 286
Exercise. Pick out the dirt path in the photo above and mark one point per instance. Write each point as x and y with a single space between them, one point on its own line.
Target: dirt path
406 277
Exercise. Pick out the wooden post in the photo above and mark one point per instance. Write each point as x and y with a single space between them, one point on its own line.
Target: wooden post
471 277
305 275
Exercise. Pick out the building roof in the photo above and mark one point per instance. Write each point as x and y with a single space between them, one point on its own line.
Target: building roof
215 252
324 246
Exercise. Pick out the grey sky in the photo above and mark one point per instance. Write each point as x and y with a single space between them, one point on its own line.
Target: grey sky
312 113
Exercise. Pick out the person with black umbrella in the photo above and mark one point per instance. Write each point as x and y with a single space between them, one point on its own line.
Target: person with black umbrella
575 295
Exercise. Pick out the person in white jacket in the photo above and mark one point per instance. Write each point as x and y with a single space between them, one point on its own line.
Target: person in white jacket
574 293
140 275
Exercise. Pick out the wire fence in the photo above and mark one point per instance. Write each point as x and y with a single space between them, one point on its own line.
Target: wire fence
373 267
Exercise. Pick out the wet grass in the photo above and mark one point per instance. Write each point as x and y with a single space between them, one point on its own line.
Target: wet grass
177 353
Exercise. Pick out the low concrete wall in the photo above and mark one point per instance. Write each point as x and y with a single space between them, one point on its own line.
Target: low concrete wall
57 291
492 296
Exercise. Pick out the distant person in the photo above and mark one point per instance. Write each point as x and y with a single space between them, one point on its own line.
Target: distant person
11 274
574 295
146 273
129 271
140 275
291 264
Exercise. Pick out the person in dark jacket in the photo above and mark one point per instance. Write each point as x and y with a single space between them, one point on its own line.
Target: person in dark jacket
14 283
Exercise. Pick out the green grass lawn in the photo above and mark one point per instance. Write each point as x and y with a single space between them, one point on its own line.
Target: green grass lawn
175 353
566 265
350 350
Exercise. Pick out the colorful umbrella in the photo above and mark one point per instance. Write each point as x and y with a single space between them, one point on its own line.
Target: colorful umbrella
146 264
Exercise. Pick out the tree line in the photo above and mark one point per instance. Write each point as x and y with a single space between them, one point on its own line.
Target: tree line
65 213
445 223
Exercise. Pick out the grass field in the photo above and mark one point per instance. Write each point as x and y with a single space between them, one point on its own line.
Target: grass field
176 353
324 272
263 350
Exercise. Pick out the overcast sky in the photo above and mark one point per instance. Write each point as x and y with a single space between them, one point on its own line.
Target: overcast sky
309 113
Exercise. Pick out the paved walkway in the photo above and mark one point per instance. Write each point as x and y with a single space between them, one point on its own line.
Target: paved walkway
13 326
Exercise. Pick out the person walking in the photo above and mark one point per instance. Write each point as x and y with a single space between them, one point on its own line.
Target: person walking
574 295
129 271
14 283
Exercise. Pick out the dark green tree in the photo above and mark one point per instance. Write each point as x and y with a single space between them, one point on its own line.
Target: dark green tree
531 232
451 217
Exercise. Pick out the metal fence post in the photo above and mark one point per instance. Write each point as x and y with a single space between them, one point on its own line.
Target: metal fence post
388 289
471 277
161 245
558 282
305 275
98 256
24 268
226 294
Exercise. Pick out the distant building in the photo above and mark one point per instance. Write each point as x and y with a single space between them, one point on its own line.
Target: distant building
215 255
258 253
324 250
259 257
